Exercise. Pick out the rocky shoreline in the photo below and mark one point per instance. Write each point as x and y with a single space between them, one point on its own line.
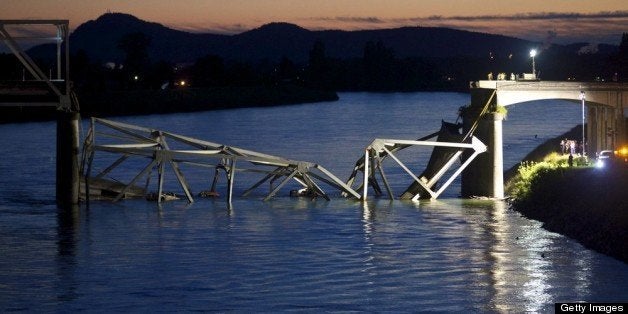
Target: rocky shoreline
585 204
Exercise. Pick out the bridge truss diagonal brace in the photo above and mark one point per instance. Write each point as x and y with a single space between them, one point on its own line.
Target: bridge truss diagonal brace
378 146
161 148
62 36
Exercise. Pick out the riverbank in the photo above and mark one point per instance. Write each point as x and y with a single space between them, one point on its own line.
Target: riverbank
583 203
137 102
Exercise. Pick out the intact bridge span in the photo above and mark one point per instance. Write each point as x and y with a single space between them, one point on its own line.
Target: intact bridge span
604 103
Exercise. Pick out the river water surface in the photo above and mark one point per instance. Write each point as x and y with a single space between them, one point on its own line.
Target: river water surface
291 254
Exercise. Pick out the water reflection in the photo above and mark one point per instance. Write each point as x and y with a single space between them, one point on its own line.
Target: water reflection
498 252
367 220
68 222
519 266
368 216
527 268
582 275
444 255
520 270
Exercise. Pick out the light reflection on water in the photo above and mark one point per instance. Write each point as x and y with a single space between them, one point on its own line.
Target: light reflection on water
289 254
286 254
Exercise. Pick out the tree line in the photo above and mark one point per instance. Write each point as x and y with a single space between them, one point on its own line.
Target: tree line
378 69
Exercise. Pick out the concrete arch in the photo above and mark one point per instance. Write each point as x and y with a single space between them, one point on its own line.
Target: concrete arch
614 95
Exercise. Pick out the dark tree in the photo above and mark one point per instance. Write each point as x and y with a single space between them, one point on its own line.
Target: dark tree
86 75
136 63
622 59
287 70
320 71
160 73
242 74
379 66
209 71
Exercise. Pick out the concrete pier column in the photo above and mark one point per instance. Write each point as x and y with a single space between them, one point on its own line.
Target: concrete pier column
67 158
611 129
592 131
496 151
485 175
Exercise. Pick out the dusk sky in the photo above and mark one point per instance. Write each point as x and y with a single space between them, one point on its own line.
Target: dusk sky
559 21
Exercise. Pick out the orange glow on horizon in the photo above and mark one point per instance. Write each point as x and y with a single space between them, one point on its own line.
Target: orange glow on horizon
241 15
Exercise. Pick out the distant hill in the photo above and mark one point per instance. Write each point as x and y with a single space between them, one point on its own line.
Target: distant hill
277 40
99 39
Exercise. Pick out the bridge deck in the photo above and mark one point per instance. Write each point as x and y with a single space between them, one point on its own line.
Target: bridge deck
551 85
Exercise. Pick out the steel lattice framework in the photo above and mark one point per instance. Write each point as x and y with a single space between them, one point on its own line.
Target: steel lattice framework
41 90
155 146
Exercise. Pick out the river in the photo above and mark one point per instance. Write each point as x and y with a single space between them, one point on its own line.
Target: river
291 254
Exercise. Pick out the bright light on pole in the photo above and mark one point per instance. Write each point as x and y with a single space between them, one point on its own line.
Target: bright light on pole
582 97
533 54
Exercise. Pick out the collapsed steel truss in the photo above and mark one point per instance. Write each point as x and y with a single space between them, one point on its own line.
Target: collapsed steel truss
379 149
154 145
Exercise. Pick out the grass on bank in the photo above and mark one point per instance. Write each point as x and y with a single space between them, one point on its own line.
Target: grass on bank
519 186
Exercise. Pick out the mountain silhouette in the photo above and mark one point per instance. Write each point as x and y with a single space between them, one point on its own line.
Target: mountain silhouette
274 41
99 39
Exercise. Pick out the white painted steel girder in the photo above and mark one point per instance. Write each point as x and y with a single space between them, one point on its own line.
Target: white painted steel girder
379 146
152 144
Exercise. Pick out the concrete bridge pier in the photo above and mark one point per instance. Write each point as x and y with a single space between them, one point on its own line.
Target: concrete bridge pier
485 175
606 122
605 129
68 158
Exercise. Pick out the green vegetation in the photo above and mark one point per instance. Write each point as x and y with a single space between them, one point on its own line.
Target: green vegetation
529 172
501 110
581 202
584 203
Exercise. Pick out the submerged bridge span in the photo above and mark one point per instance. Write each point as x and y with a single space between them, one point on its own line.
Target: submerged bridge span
604 112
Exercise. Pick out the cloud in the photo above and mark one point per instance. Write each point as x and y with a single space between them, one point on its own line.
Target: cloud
543 27
588 49
530 16
227 29
546 28
354 19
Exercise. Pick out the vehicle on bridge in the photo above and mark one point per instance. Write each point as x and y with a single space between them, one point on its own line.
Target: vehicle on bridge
528 77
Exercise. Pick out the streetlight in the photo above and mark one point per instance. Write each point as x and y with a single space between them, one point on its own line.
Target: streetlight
582 97
533 54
